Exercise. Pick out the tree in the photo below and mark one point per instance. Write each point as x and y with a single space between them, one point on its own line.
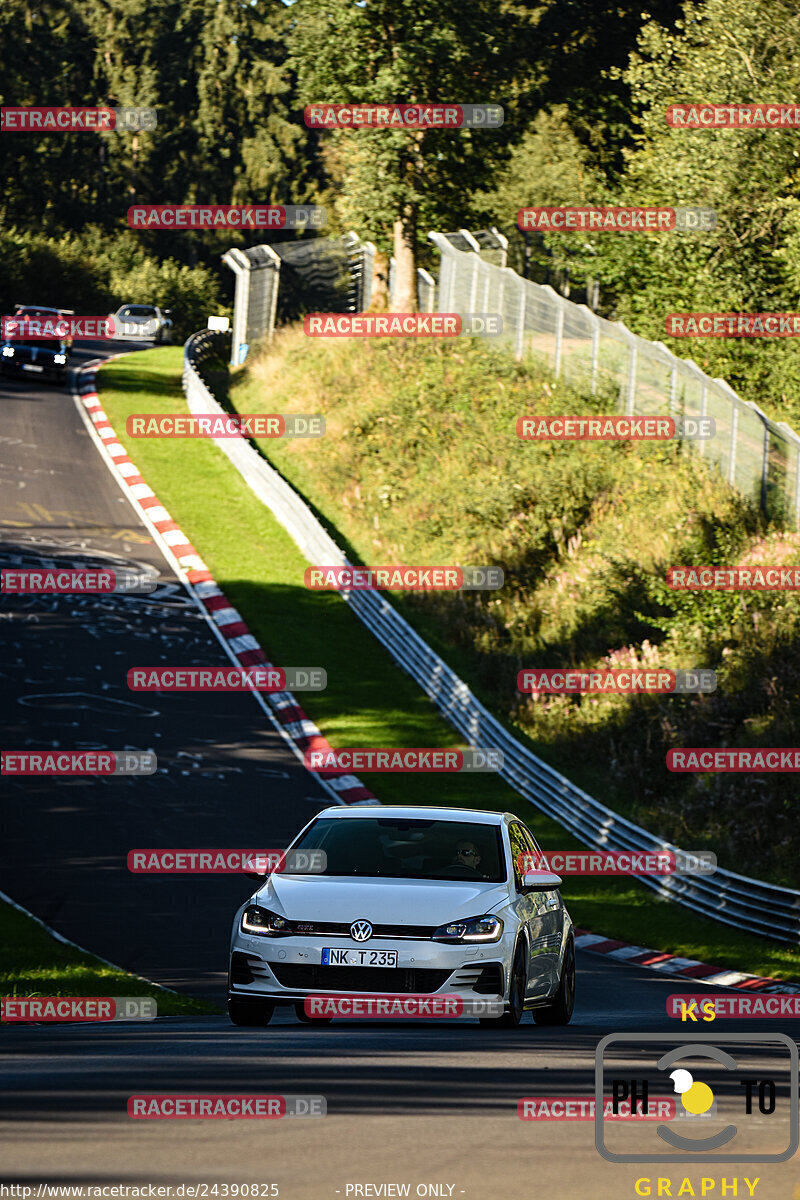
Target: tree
393 184
723 51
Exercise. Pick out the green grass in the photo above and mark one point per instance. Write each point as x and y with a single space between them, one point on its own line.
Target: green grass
36 964
369 701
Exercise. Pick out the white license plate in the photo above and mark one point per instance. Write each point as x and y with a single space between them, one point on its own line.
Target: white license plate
31 367
358 958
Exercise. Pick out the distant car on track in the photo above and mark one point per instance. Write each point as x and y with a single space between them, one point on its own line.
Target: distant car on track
47 358
143 322
412 900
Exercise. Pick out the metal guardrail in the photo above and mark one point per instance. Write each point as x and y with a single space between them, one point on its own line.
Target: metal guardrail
749 904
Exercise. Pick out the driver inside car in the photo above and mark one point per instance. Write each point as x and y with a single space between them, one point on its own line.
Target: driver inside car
467 855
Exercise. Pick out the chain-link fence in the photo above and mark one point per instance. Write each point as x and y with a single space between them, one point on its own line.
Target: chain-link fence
757 456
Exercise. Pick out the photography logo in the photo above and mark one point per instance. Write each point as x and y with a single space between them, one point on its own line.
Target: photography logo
734 1105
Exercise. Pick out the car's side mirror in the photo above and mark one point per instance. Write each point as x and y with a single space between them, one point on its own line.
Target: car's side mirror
540 881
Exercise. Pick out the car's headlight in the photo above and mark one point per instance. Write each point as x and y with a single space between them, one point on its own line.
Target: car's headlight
8 351
472 929
260 920
59 358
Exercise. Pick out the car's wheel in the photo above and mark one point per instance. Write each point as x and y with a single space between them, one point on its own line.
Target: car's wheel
559 1011
250 1012
303 1016
516 994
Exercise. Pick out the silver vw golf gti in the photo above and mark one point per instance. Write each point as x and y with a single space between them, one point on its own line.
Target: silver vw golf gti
411 900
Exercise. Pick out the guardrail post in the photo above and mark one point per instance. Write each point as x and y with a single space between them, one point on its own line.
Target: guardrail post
559 337
503 243
240 266
734 431
630 383
368 252
764 469
273 308
425 280
520 333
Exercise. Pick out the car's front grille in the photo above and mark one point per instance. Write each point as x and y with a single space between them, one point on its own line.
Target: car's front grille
357 979
342 929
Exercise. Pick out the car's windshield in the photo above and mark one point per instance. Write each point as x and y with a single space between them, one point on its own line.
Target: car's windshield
137 310
408 848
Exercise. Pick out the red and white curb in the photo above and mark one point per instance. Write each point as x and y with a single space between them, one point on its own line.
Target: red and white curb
671 964
231 631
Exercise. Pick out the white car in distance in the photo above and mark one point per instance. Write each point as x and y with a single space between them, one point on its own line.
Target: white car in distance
142 323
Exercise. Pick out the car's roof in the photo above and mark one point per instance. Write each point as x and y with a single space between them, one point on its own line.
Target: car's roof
42 308
476 816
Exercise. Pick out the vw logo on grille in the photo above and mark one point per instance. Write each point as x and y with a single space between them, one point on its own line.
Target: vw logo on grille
361 931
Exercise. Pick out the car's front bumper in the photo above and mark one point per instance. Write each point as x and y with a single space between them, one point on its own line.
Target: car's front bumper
20 365
289 969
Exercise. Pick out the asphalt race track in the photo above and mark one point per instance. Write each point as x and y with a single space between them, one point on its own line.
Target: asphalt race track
419 1103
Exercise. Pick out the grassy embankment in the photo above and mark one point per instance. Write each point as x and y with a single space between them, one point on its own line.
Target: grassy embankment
36 964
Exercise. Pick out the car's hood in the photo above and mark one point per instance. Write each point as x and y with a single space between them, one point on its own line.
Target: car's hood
380 900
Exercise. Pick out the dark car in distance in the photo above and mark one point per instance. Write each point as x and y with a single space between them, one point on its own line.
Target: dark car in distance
47 358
